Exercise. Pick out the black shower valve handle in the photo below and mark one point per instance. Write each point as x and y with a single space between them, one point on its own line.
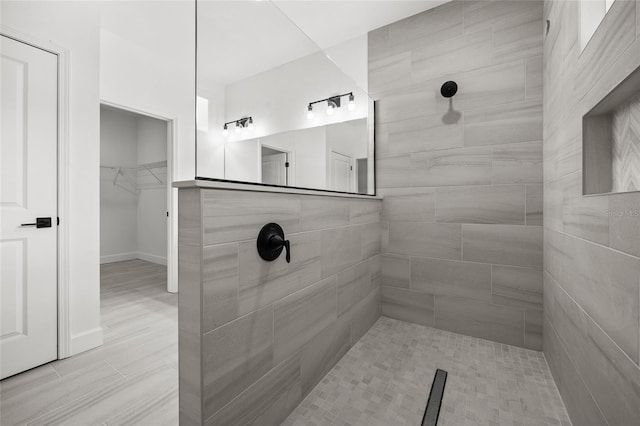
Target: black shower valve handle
277 241
271 242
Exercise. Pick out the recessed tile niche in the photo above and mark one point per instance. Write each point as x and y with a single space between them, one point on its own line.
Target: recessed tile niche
611 141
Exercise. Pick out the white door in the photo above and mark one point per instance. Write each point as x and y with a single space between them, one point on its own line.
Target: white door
28 183
274 169
341 171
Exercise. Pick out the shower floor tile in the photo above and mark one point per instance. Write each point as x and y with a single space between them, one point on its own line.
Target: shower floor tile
386 377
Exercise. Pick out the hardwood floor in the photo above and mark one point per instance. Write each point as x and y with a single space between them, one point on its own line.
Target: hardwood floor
131 379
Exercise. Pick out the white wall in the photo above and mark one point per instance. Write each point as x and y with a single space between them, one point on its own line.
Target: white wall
152 202
352 57
147 55
76 27
118 208
277 99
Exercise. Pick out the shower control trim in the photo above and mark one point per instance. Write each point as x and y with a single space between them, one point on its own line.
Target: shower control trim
271 242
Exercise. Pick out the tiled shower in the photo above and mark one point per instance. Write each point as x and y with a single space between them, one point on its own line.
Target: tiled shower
479 228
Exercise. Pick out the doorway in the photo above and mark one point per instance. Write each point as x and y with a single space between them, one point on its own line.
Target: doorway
135 188
341 172
275 166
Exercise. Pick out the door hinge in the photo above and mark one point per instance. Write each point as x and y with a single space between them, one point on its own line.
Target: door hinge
58 222
167 214
351 168
286 164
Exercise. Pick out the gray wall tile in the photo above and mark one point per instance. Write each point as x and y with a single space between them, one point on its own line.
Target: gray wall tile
234 357
451 167
407 305
480 319
516 287
451 278
409 204
503 204
438 240
262 282
341 248
268 401
321 213
518 163
302 315
396 270
503 244
219 285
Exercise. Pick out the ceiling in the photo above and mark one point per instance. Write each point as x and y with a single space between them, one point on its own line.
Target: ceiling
241 38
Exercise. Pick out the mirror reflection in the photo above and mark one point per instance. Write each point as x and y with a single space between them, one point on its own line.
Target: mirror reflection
275 109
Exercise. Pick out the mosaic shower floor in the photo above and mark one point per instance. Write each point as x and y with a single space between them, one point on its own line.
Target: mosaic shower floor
386 377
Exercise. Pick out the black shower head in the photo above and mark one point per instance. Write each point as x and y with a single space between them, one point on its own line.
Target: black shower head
449 89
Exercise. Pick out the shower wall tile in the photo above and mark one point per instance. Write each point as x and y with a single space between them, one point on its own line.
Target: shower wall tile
609 375
318 213
516 287
364 314
321 353
364 211
503 124
518 163
591 261
409 204
234 357
396 270
371 239
469 166
353 285
503 244
418 134
264 283
341 248
444 239
407 305
580 404
393 171
256 336
481 319
303 314
268 401
462 177
228 217
535 207
451 278
503 204
220 285
533 329
487 86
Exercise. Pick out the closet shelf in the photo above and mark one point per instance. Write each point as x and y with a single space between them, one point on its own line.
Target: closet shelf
140 177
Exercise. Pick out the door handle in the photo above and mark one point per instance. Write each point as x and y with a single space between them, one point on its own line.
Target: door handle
41 222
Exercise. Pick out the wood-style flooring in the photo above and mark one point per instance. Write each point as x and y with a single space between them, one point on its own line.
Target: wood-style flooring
131 380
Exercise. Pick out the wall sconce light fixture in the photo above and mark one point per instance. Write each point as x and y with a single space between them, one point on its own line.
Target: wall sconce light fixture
333 103
239 125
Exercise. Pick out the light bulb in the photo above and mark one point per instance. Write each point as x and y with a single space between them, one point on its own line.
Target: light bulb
330 108
351 106
225 131
250 126
310 112
238 127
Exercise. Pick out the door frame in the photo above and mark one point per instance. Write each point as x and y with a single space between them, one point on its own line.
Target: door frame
64 320
172 199
290 178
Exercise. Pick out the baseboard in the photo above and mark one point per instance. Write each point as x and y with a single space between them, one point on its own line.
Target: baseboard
118 257
86 340
151 258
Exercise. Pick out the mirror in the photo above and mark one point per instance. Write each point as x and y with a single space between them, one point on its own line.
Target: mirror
275 109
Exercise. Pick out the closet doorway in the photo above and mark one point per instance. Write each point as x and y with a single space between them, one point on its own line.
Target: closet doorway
135 197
